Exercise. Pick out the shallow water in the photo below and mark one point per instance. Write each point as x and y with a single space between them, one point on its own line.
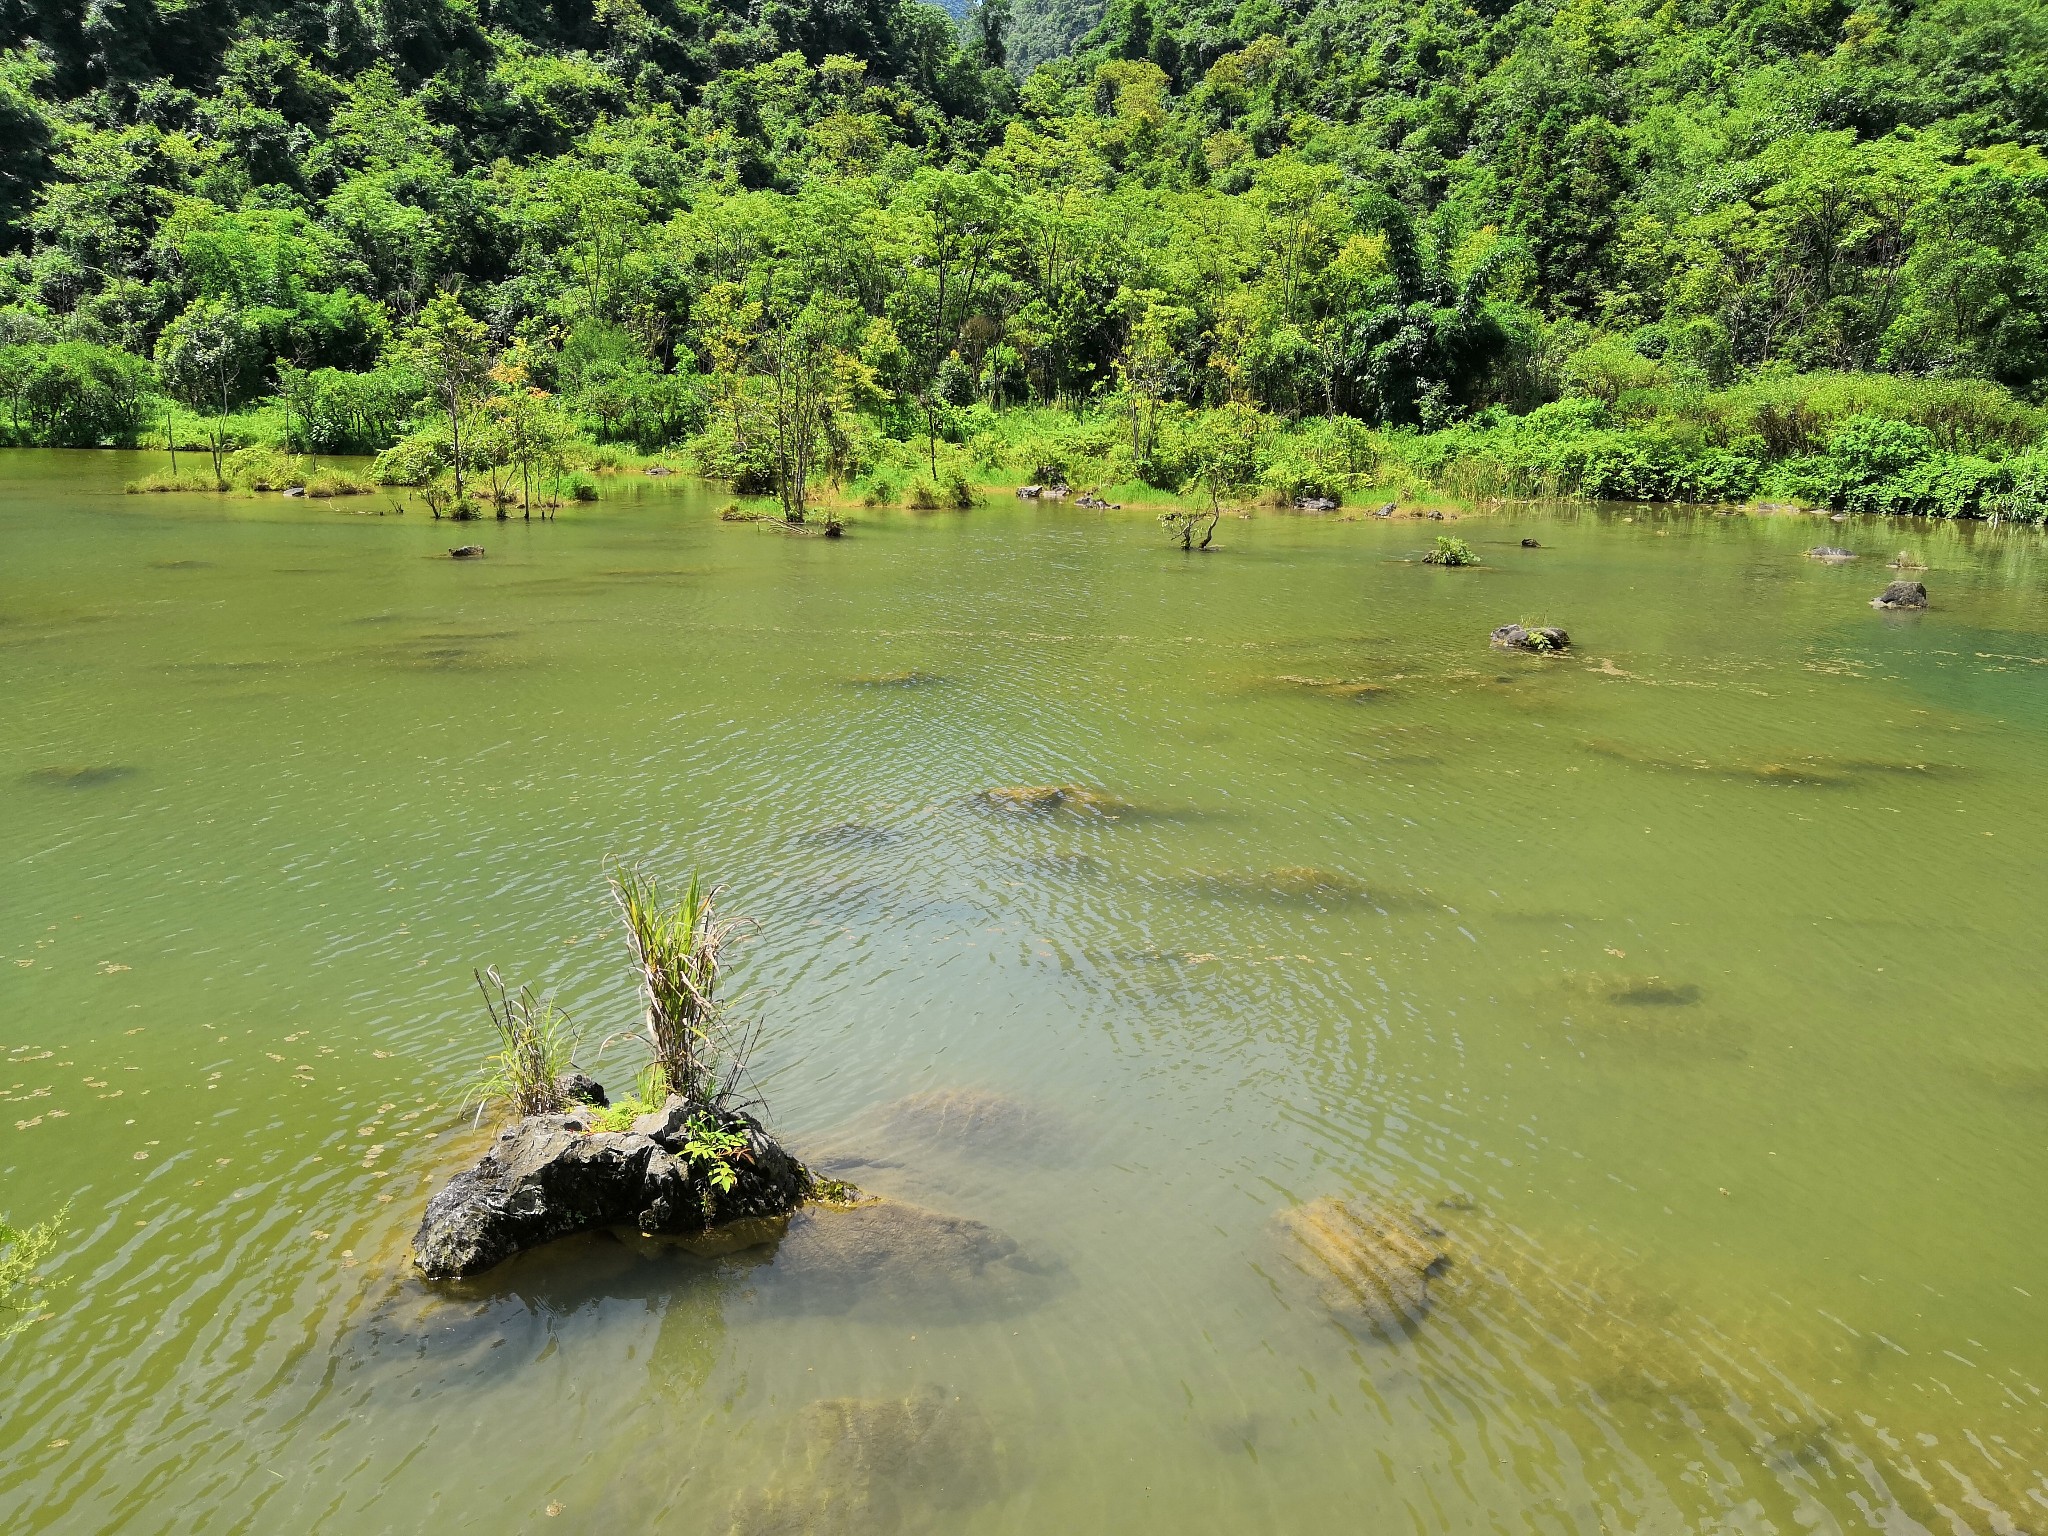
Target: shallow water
1690 984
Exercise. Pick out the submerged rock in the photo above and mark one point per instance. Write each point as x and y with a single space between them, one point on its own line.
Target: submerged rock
1369 1262
886 1466
1830 553
1901 594
467 551
1531 544
888 1256
1543 639
1043 799
552 1175
1335 687
77 775
975 1121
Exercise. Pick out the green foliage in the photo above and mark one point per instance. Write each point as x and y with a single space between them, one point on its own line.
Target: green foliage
715 1147
1450 551
1266 249
22 1251
73 394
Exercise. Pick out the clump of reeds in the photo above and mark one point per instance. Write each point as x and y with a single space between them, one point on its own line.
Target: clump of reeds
536 1048
679 945
22 1251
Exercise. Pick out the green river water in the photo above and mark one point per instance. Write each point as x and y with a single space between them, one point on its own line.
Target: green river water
1691 983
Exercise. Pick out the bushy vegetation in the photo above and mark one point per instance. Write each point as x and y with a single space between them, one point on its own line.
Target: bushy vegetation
22 1283
1286 248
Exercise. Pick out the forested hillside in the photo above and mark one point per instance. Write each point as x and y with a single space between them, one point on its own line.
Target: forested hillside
1716 248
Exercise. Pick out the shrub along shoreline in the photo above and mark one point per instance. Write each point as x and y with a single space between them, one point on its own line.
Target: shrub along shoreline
1863 443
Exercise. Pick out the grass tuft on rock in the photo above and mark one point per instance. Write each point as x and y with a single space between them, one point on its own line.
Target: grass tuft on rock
679 945
536 1047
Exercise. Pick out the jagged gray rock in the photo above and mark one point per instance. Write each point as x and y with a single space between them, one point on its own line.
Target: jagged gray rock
552 1175
1901 594
581 1088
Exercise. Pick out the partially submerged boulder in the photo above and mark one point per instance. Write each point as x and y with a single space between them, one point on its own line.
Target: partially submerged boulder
1901 594
1830 553
467 552
1370 1262
552 1175
1543 639
1044 799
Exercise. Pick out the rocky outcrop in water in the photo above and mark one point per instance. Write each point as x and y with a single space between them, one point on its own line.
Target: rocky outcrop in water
552 1175
1830 553
1543 639
1901 594
467 552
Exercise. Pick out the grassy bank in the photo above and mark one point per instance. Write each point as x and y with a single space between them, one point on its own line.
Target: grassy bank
1869 443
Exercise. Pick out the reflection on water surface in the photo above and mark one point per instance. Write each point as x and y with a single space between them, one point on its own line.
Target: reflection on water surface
1542 1094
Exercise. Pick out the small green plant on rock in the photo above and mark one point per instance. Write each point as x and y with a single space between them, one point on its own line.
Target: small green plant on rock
647 1096
1539 635
536 1047
22 1251
715 1147
1450 551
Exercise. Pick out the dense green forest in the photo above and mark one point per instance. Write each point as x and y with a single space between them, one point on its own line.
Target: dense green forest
1706 249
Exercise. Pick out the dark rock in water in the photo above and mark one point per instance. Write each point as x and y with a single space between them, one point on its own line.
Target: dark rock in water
1044 799
295 490
1029 491
1543 639
1901 594
1830 553
868 1466
1652 993
890 1257
1385 509
1315 504
551 1175
582 1088
467 552
1369 1262
1530 544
